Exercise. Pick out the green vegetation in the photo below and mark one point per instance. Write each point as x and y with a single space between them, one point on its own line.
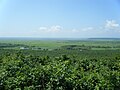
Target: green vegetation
59 65
52 44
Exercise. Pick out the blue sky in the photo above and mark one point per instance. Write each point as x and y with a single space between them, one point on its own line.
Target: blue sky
60 18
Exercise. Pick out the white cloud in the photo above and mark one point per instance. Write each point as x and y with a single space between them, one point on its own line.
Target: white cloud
88 29
56 28
110 28
43 28
75 31
52 29
111 24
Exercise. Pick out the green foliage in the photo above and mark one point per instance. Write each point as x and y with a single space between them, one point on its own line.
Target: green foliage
29 72
60 65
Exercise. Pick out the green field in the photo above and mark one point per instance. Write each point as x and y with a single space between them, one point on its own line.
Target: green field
59 64
52 44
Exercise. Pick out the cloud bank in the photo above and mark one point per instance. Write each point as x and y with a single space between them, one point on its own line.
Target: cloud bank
110 28
52 29
111 24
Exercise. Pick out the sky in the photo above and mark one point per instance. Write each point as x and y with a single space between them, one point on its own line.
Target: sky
60 18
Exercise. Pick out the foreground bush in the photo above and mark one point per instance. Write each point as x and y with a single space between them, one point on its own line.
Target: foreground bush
21 72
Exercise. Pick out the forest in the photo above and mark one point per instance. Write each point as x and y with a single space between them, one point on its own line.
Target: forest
60 64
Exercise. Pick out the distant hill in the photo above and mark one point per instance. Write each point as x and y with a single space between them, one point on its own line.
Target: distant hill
103 38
